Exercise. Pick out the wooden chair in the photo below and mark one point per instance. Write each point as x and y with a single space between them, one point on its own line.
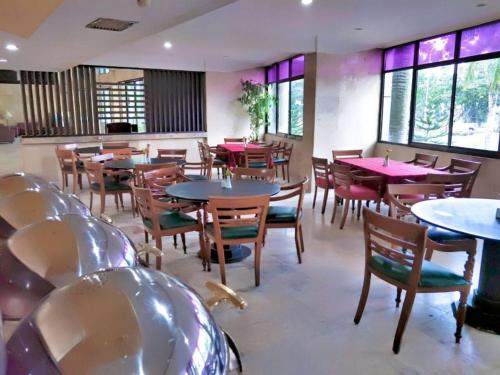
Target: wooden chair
346 154
456 184
349 186
423 160
167 219
463 166
254 173
235 140
115 145
118 153
141 169
282 158
174 153
108 185
401 197
236 221
322 179
203 167
101 158
68 146
258 157
394 252
288 216
70 165
220 157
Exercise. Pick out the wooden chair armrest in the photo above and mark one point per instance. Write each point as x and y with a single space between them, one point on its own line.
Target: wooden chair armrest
408 181
359 178
399 205
448 167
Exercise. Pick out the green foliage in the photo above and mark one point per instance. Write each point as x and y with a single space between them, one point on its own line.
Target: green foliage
297 108
257 101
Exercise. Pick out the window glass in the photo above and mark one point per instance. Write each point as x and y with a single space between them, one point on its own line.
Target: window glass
433 102
297 108
399 57
271 74
396 106
437 49
271 127
476 120
480 40
298 66
283 106
284 70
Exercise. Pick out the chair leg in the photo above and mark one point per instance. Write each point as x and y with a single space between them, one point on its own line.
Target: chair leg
398 296
301 238
359 210
146 240
208 250
258 249
283 171
315 194
325 198
222 263
461 315
403 319
91 200
132 202
377 207
202 248
288 172
297 244
80 182
353 205
363 297
344 214
336 202
183 239
75 182
158 258
103 202
175 241
116 202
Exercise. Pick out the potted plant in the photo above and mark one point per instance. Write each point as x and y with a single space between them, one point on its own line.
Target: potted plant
257 101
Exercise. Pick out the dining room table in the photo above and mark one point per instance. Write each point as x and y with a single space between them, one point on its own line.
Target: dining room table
129 164
201 191
235 152
479 218
96 150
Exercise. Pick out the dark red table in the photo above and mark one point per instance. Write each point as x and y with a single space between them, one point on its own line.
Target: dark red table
235 150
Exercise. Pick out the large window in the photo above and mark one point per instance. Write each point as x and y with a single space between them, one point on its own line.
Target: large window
444 92
285 81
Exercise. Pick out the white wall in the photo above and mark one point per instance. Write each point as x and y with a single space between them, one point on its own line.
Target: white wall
226 117
347 102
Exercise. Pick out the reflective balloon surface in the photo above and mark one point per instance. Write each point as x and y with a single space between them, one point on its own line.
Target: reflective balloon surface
18 182
53 253
123 321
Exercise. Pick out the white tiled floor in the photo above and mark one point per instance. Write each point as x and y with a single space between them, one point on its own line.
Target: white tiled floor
300 319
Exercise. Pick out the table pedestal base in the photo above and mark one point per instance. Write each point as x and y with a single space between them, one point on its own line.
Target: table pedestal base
232 254
483 315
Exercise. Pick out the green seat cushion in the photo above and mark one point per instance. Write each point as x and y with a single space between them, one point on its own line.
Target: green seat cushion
280 160
281 214
171 220
432 275
236 232
110 184
442 235
257 165
196 177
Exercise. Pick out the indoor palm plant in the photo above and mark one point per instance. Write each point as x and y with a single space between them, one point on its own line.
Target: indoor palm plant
257 100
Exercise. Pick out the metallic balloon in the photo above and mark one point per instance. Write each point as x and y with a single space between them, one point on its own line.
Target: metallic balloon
54 252
122 321
18 182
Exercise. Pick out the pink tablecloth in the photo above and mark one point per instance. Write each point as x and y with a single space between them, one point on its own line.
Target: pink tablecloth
395 172
235 150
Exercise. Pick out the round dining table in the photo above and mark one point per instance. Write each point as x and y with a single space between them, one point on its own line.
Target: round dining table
201 191
129 164
477 218
96 150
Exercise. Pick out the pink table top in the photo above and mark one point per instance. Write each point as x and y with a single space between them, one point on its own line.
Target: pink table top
237 147
394 171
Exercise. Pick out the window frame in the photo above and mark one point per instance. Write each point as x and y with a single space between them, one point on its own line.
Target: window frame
290 79
455 61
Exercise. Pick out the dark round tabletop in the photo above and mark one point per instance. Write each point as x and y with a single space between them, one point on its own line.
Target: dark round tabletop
201 190
476 217
130 163
97 149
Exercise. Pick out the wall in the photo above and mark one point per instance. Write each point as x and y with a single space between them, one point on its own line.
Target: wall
226 117
347 102
11 101
487 183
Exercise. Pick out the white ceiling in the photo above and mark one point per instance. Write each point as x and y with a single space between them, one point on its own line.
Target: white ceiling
231 35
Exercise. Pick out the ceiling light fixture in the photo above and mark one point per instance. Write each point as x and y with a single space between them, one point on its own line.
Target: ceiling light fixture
480 5
3 60
11 47
306 2
167 45
358 28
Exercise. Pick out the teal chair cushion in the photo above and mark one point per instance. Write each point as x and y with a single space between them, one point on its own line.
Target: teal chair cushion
432 275
235 233
280 160
442 235
257 165
196 177
110 184
281 214
172 220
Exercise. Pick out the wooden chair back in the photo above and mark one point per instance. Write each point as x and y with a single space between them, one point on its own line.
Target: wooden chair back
141 169
398 241
237 212
176 153
101 158
67 159
118 153
266 174
257 155
95 174
346 154
424 160
201 149
291 191
402 196
464 166
341 175
204 167
455 183
157 180
115 145
320 168
235 140
144 199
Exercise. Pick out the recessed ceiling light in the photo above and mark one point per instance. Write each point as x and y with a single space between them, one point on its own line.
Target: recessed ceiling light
480 5
3 60
11 47
358 28
306 2
167 45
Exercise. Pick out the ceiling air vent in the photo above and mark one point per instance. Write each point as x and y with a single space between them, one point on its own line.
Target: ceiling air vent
110 24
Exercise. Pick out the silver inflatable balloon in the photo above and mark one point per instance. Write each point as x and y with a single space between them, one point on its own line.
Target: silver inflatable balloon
27 207
53 253
18 182
123 321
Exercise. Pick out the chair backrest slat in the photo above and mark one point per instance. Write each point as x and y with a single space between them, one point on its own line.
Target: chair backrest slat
341 175
234 140
455 183
258 155
346 154
320 168
118 153
115 145
141 169
266 174
178 153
